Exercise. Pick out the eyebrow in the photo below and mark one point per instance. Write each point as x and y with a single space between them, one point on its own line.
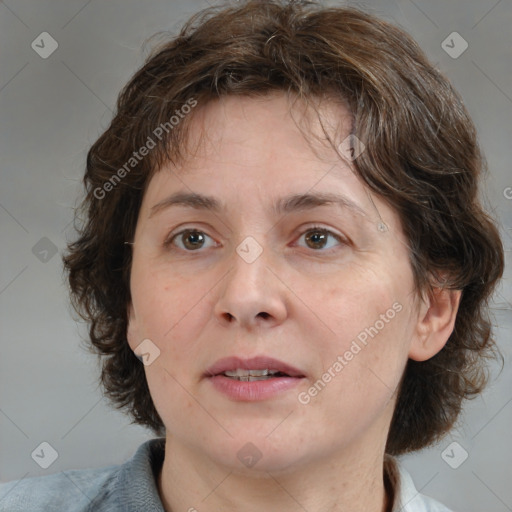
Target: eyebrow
287 204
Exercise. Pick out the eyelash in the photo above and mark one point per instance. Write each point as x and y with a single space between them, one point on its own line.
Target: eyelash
170 239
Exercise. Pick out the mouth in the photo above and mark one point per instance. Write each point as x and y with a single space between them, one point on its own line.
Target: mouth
251 380
254 369
253 375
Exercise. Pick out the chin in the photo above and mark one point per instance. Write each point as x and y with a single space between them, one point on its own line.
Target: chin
257 455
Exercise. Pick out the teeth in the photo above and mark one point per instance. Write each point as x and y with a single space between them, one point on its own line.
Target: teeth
250 378
250 375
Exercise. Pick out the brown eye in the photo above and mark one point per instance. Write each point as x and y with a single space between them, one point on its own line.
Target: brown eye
317 238
188 239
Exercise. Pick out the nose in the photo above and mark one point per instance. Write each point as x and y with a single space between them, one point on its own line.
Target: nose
252 293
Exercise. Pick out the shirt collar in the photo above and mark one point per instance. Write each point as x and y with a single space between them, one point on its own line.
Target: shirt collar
137 479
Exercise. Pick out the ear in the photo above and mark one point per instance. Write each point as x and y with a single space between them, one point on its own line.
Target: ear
436 320
132 331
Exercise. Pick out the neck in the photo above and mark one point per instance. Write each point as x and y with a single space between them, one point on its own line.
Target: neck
352 481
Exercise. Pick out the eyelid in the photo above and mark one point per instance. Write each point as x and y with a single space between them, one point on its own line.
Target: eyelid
343 240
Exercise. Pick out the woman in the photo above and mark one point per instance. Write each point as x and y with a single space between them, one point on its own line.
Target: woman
285 267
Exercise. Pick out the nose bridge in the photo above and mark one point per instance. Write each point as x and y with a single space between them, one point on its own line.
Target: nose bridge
251 290
249 266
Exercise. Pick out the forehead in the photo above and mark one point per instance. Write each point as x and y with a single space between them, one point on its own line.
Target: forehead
267 142
285 124
266 150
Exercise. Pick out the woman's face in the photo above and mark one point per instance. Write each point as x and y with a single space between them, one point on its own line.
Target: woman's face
323 288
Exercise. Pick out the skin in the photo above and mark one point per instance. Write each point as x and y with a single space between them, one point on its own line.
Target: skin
207 303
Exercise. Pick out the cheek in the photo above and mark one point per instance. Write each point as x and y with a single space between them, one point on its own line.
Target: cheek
173 312
161 300
354 304
170 396
359 378
369 332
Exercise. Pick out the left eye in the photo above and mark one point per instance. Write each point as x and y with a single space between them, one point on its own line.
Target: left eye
193 239
316 237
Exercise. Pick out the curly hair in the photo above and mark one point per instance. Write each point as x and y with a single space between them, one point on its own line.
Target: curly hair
422 157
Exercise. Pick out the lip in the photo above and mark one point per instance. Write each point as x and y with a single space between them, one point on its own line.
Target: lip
254 363
251 391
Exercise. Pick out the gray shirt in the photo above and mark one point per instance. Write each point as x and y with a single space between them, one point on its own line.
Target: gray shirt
131 487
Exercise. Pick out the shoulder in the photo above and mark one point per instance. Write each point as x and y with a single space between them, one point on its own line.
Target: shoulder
407 498
72 490
128 487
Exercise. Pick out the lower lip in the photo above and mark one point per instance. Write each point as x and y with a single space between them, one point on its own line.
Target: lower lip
255 390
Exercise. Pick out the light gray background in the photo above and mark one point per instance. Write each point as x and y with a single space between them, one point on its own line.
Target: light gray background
53 109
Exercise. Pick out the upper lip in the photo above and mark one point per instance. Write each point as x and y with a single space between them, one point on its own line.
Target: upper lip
254 363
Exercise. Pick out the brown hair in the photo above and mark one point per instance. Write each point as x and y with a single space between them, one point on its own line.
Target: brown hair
421 156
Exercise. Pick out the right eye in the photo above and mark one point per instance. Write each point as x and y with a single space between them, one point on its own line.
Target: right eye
191 240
